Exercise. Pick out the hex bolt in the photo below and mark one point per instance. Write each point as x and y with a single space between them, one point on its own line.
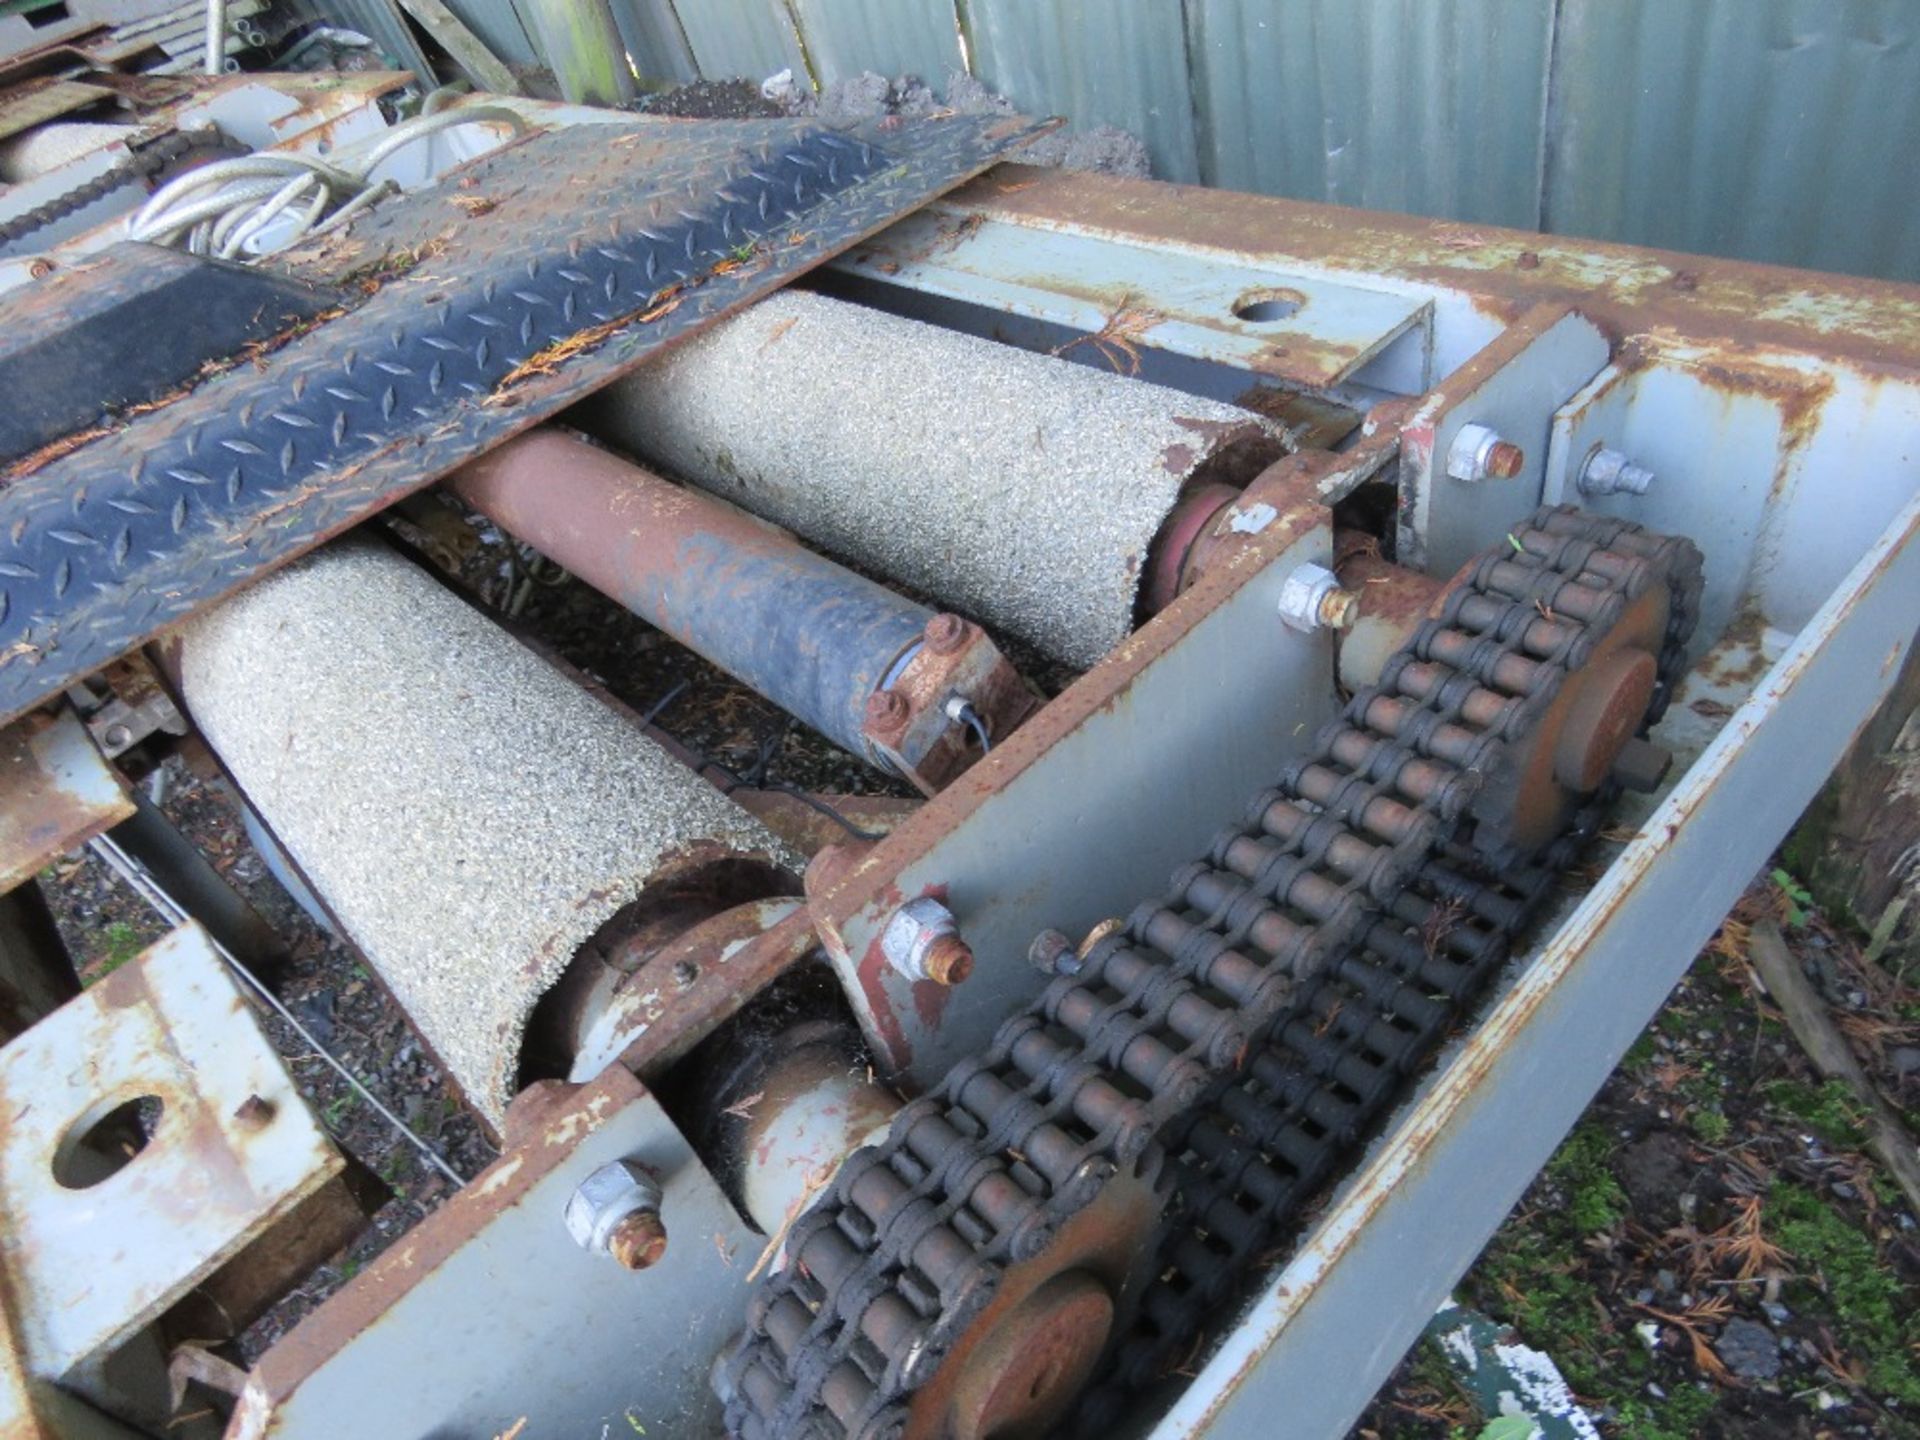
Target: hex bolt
886 710
1613 472
1339 608
616 1211
1311 599
948 960
1478 453
946 634
922 942
638 1241
1053 953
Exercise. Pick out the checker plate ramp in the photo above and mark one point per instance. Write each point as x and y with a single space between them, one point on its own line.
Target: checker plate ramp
581 250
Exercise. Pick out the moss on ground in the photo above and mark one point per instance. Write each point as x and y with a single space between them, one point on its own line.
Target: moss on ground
1583 1168
119 942
1830 1110
1872 1311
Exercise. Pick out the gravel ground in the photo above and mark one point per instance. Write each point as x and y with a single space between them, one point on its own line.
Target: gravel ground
1709 1254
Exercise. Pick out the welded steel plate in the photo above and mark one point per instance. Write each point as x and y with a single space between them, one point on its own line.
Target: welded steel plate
493 299
97 1244
56 793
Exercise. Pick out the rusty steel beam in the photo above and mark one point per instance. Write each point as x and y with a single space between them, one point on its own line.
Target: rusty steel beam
877 674
56 793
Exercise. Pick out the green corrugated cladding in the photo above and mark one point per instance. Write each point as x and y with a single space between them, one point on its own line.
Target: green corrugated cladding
1781 130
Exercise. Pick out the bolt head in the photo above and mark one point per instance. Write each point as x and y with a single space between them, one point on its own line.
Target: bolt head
1311 597
638 1241
946 634
1479 453
1052 953
886 710
1613 472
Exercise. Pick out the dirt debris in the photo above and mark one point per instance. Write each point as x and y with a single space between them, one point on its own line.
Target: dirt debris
1711 1253
1107 149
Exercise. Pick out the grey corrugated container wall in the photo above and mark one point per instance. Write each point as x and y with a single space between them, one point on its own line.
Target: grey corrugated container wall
1764 129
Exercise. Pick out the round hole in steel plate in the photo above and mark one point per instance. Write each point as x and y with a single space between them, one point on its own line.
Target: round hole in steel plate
105 1139
1268 306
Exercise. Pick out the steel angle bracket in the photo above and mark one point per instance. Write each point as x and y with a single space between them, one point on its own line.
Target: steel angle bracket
531 278
93 1249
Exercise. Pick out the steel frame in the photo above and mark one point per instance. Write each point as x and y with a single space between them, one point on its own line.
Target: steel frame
1764 399
1809 616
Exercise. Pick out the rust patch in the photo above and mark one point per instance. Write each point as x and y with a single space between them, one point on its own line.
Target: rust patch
1873 324
873 967
44 810
1734 368
735 956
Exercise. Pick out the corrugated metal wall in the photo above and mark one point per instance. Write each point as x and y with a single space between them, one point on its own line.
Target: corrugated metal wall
1780 130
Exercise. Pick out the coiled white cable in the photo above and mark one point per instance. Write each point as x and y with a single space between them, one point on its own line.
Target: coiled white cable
225 208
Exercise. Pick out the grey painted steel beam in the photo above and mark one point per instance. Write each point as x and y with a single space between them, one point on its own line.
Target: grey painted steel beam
1383 1256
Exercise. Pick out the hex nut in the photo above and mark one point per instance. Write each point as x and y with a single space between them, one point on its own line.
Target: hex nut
922 942
607 1203
886 710
1311 599
1479 453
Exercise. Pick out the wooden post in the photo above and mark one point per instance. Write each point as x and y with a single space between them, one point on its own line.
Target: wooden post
582 46
469 51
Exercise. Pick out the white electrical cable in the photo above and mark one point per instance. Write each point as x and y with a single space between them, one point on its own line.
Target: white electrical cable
170 910
226 208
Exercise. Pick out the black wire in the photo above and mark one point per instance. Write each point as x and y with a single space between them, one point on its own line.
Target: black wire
756 777
674 692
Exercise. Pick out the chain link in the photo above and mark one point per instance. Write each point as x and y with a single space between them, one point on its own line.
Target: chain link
1251 1023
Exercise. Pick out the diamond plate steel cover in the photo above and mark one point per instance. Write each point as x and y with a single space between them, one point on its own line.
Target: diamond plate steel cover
530 278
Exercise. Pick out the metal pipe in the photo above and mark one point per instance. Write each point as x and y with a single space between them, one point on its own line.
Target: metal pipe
813 1102
1392 601
216 37
870 670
